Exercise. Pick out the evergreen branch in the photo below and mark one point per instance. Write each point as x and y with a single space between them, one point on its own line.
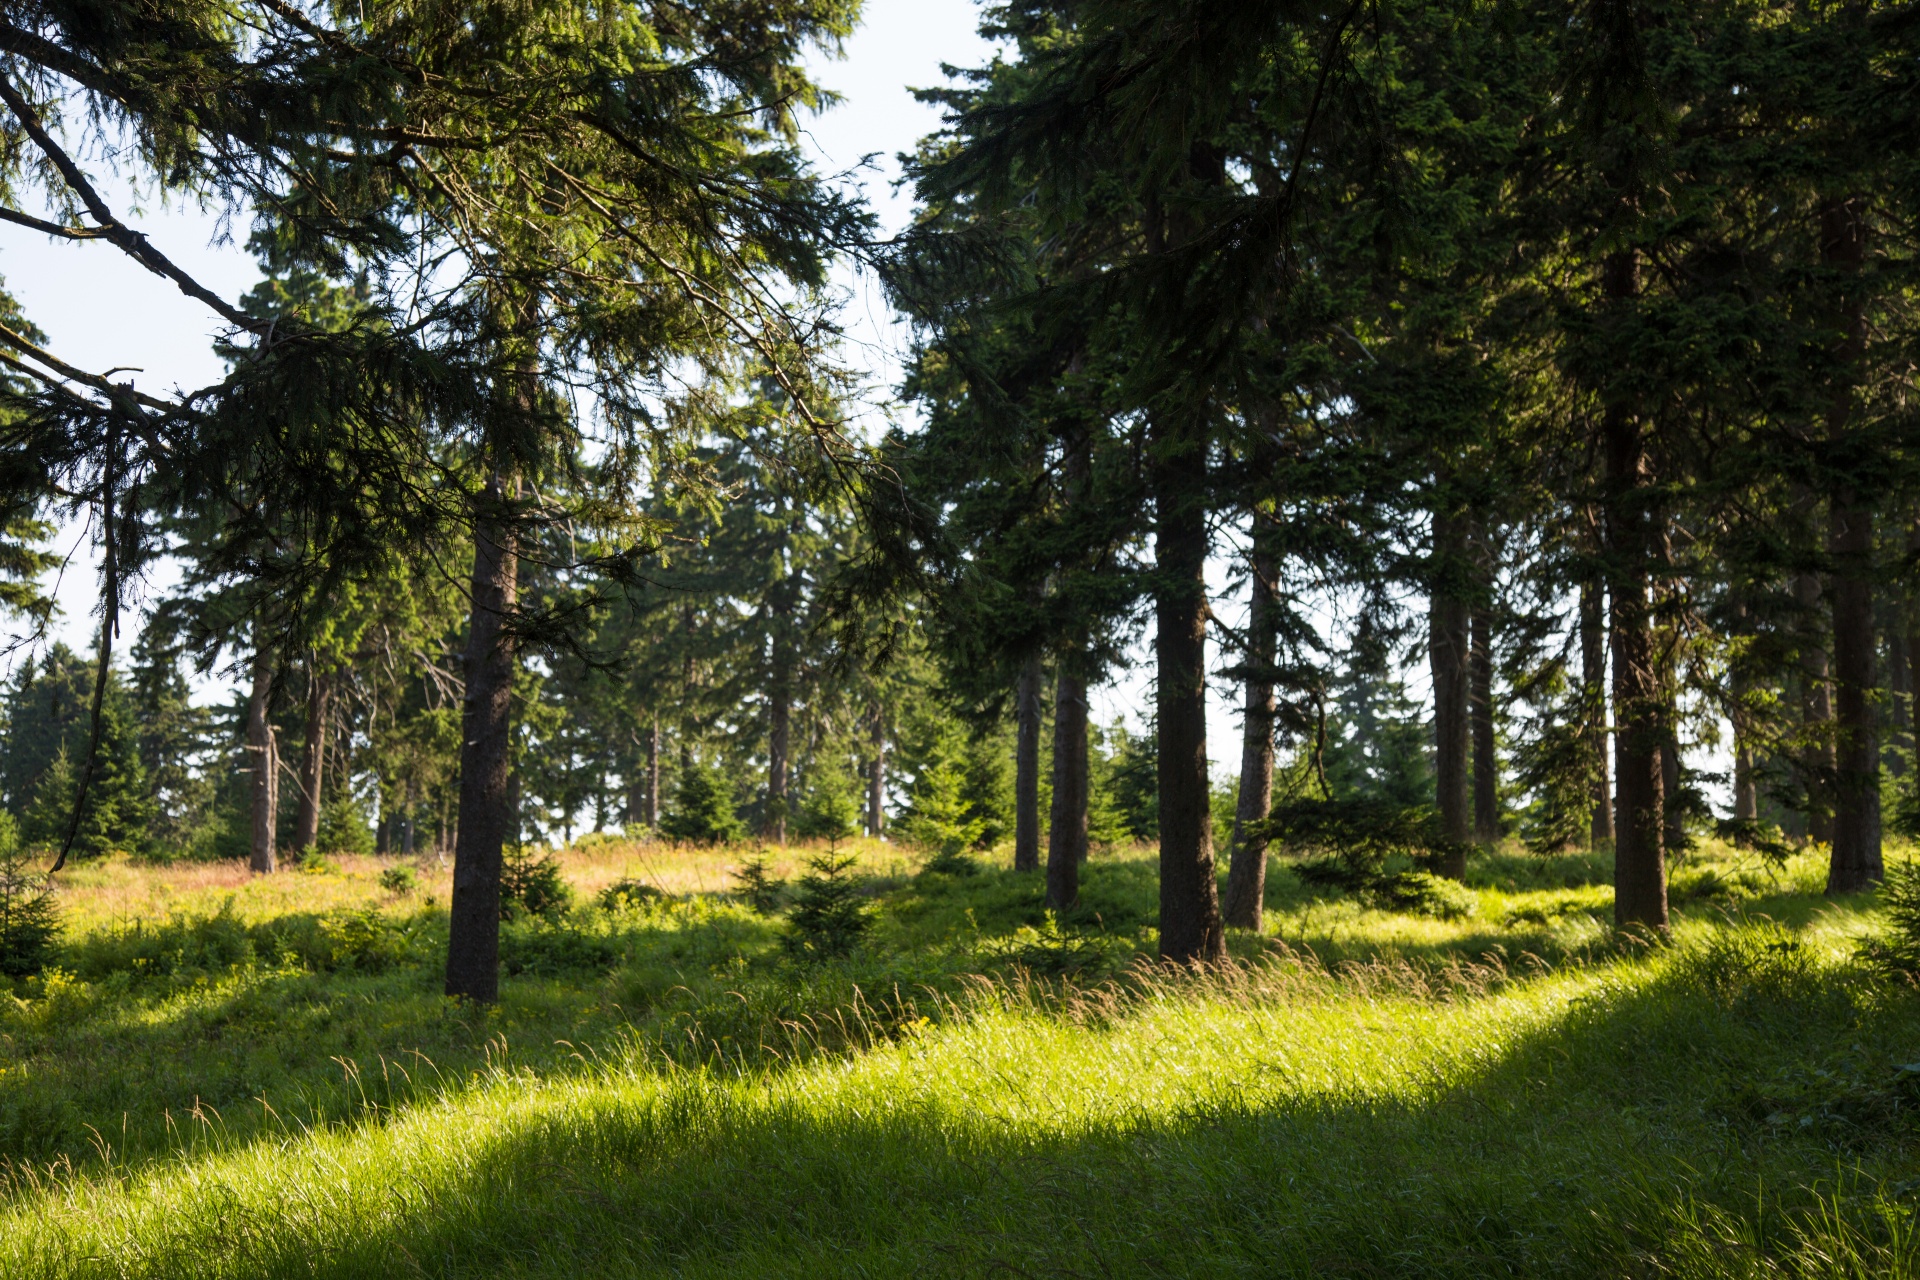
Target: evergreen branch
130 242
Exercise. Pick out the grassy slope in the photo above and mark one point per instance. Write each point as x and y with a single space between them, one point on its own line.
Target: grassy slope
1506 1094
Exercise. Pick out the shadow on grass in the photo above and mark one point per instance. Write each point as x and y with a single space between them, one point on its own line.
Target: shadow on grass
1736 1114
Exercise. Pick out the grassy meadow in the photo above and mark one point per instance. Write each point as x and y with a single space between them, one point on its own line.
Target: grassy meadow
257 1077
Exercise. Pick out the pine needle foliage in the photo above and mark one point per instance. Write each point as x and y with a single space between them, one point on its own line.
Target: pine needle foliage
830 916
29 917
1895 954
703 811
531 882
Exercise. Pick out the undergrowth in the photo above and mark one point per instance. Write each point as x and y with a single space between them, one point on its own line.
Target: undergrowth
668 1086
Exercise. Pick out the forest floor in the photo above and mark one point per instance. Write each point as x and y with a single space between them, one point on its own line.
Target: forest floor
230 1076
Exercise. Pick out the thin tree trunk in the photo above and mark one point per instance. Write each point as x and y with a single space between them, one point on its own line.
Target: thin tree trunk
1448 645
1856 862
264 760
313 763
1067 825
1816 715
1593 674
1746 793
780 728
653 774
877 774
1247 852
1895 749
1639 854
1190 926
1674 820
485 820
1486 764
1026 768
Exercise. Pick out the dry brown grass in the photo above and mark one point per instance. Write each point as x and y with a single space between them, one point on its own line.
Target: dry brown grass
118 890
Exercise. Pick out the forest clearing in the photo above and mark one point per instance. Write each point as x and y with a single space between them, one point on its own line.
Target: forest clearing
220 1078
1037 638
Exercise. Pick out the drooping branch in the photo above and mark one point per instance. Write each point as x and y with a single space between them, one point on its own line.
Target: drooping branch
131 242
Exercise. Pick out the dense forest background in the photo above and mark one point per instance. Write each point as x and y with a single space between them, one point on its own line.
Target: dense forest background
1565 355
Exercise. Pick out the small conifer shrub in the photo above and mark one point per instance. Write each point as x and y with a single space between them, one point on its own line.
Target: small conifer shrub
29 917
530 881
762 889
831 811
1896 952
399 879
829 920
702 810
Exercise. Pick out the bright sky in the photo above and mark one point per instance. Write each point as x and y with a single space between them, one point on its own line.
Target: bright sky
100 311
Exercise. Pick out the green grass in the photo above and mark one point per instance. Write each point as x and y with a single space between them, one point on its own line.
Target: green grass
278 1090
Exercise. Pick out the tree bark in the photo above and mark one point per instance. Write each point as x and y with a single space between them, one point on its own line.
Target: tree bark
1190 926
1067 825
486 818
1816 716
780 728
1026 768
1673 820
1247 852
313 763
263 759
877 774
1856 861
653 774
1639 853
1486 764
1593 674
1448 645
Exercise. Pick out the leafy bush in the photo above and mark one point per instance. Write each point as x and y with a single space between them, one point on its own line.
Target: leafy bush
1422 893
1896 952
762 890
702 810
951 862
531 881
623 895
29 918
828 919
559 944
399 879
366 941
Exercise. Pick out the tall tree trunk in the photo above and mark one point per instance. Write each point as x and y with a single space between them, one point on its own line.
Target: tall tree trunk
1067 826
1190 927
1896 748
653 774
1247 853
1639 854
1026 768
1746 792
1486 764
877 773
780 728
486 816
1816 714
1674 819
1593 675
1448 652
263 759
313 762
1856 862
